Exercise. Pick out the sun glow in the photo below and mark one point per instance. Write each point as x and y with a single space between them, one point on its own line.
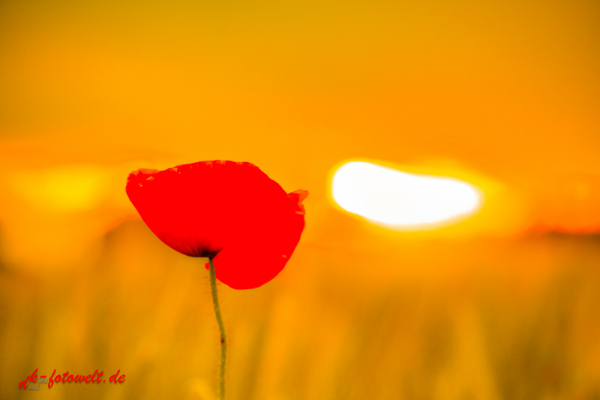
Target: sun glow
402 200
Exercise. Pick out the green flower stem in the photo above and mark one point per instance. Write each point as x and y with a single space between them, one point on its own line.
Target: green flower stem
215 297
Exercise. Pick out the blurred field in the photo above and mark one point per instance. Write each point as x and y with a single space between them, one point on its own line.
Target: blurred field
512 321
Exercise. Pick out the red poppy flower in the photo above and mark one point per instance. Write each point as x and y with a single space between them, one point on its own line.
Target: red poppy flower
231 212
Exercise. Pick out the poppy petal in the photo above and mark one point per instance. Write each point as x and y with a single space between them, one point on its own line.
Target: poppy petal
271 246
230 211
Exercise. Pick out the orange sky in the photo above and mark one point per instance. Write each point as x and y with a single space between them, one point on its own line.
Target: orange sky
504 91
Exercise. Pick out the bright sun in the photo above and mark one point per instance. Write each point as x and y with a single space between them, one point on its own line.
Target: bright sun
403 200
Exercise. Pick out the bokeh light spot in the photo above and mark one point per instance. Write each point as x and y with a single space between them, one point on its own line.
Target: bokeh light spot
402 200
68 188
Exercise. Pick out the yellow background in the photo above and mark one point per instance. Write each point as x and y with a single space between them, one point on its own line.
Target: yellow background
504 94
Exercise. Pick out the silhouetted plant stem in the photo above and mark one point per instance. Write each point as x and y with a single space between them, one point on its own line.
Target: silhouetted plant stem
215 297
